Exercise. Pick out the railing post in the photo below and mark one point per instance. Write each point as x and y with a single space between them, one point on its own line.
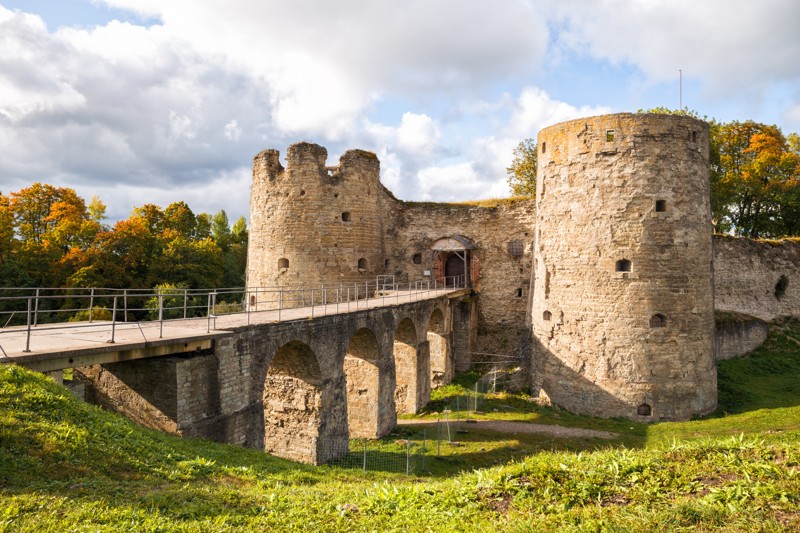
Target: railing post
91 305
324 300
28 338
36 309
214 307
113 321
160 315
247 303
280 303
185 298
348 299
366 295
338 297
312 303
125 305
356 285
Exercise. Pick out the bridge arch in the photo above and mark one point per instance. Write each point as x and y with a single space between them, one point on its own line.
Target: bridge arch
293 403
362 375
441 364
407 368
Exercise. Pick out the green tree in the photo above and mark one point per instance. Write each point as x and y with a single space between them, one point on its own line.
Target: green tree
220 229
522 171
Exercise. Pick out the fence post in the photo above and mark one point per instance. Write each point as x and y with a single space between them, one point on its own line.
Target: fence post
356 297
366 294
184 302
113 321
408 455
36 309
424 442
160 315
91 305
280 303
365 455
124 305
324 301
438 437
312 303
458 415
247 303
28 338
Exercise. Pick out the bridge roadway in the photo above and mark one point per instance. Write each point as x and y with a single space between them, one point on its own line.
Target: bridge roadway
68 345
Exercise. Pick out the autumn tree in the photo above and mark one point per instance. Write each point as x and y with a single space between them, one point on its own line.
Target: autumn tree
522 171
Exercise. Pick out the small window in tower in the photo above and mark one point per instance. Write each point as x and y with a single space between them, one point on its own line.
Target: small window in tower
515 248
544 147
610 136
385 263
623 265
644 410
362 264
661 206
417 259
781 286
302 192
519 293
547 315
694 136
346 216
658 321
283 264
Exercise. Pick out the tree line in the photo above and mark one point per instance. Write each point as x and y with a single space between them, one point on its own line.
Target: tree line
754 170
50 237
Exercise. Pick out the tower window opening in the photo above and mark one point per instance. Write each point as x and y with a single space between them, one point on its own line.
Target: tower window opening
417 259
644 410
781 286
661 206
302 192
519 293
346 216
610 136
623 265
547 315
283 263
362 264
694 136
658 321
385 263
515 248
544 147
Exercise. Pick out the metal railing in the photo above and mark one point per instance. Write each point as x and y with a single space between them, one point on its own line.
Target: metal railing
47 309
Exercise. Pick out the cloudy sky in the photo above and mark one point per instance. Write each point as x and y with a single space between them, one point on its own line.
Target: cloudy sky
156 101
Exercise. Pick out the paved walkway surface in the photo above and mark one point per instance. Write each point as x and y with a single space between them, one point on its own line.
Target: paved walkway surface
504 426
84 337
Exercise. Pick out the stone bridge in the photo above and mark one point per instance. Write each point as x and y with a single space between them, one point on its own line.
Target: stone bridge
298 388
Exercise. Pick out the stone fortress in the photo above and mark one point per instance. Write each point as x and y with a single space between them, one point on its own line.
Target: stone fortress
605 285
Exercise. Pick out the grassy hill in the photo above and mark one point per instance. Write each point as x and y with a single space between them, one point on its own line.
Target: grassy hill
69 466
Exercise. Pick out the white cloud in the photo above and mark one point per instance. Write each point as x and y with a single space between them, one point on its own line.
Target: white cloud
727 44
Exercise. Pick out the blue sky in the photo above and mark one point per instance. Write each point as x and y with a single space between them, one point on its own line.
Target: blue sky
142 101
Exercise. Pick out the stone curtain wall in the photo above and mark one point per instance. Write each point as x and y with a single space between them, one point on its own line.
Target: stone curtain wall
622 310
504 281
757 278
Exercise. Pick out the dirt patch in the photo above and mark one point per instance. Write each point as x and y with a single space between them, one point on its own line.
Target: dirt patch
503 426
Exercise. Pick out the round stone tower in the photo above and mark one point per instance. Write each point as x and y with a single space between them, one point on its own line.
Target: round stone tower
622 309
311 224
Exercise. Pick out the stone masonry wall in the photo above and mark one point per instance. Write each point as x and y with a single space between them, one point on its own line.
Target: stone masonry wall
757 278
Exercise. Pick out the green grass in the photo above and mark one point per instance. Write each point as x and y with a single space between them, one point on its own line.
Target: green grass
69 466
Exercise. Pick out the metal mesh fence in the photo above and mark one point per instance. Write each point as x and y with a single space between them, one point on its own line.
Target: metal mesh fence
399 455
